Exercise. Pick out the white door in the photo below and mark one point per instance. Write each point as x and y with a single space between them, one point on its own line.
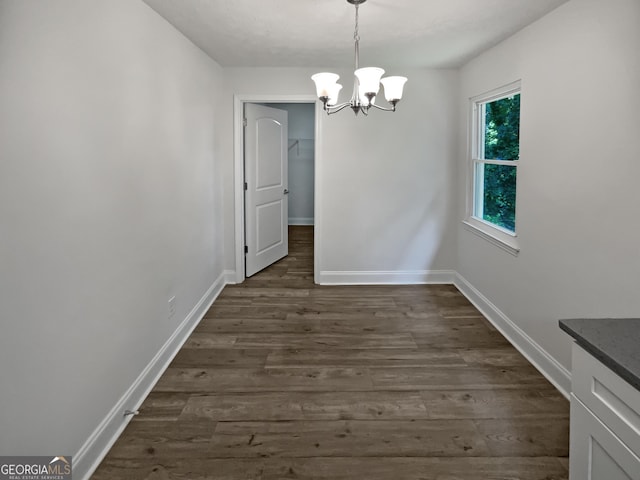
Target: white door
265 172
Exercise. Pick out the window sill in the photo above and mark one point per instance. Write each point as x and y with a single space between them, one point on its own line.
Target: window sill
503 240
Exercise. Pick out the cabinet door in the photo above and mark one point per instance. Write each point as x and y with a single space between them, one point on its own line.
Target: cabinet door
611 399
595 452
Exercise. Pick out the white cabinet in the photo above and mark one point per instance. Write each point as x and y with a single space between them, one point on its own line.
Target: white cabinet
605 423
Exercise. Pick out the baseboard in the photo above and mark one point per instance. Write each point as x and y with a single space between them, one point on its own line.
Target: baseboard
230 277
301 221
87 459
534 353
387 278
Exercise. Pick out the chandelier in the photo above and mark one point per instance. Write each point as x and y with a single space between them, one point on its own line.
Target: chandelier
366 84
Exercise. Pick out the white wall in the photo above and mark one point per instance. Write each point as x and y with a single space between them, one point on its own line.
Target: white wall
577 204
110 203
301 160
386 183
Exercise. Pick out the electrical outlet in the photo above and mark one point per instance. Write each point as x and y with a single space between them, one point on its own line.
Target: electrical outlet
172 307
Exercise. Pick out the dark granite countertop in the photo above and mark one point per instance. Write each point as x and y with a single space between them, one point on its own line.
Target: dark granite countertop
613 341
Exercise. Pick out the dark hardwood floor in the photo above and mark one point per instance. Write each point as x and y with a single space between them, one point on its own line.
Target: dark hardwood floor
285 379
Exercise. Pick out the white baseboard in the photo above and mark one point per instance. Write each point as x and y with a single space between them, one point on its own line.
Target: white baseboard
301 221
387 278
534 353
87 459
230 277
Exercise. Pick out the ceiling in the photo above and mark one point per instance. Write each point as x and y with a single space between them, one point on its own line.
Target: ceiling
319 33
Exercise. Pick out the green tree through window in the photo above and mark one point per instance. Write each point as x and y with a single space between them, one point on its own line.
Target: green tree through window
502 129
501 148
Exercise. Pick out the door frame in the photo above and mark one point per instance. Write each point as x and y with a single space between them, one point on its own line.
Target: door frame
238 173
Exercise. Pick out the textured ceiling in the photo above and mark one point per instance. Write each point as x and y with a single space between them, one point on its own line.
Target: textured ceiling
318 33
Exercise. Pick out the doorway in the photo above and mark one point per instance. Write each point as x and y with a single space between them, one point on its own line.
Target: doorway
303 164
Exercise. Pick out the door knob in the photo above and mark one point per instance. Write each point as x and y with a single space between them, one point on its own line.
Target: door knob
286 191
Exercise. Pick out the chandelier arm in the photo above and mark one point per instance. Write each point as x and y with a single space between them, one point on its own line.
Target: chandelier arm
385 109
336 108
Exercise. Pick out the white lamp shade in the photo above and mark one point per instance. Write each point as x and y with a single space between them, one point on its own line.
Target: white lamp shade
369 79
393 87
325 82
334 91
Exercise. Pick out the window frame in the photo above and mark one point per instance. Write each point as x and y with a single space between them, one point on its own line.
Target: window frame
499 236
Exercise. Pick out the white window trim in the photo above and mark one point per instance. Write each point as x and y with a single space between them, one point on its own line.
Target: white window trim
502 238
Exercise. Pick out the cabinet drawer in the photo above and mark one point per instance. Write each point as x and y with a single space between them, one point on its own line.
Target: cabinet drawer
608 396
596 453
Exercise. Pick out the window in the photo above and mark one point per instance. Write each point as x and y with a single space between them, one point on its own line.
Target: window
495 154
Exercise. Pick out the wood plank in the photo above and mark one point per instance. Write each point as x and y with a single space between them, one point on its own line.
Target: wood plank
336 312
470 337
360 438
328 340
231 302
564 462
415 468
220 357
361 323
457 302
459 311
293 302
210 340
277 406
421 293
179 469
457 378
160 439
497 356
498 403
238 311
522 437
163 406
343 357
256 380
252 292
358 301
